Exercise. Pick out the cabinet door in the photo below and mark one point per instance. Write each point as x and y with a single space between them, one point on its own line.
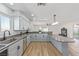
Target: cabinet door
28 40
16 23
12 50
23 24
20 23
20 48
24 43
43 36
16 49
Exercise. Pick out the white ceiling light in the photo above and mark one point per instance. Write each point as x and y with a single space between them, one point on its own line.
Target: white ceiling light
32 15
55 22
40 28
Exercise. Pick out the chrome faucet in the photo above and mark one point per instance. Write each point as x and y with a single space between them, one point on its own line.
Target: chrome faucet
5 32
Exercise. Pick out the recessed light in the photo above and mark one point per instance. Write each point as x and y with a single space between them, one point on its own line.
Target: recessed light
32 15
40 28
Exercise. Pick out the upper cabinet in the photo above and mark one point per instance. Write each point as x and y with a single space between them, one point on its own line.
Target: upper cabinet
16 23
20 23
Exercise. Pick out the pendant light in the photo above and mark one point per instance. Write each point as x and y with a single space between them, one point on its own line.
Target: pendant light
41 4
55 22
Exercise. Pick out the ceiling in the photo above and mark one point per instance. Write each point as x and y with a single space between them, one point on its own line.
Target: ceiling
65 12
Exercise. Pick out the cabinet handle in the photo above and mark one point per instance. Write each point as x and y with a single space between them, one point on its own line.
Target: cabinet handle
18 47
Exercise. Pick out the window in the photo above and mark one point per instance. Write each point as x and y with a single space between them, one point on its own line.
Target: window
76 31
5 23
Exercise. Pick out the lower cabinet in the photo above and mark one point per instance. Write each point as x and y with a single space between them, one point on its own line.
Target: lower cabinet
56 43
38 37
28 40
24 43
16 49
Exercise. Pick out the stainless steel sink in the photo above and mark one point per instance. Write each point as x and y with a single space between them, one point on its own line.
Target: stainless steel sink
2 46
7 41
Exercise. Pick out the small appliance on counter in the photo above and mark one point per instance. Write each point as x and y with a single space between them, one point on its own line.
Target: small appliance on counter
63 32
39 31
27 31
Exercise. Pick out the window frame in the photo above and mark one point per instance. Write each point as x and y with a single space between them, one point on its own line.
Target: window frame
2 14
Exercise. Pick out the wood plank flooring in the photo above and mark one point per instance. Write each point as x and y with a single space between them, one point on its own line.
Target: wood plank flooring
74 48
41 49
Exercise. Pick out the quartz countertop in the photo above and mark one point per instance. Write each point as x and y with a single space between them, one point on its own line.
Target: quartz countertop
63 39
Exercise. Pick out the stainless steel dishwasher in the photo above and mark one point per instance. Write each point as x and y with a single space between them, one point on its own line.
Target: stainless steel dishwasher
3 52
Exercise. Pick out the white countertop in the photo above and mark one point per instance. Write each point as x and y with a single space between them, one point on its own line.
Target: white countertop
63 39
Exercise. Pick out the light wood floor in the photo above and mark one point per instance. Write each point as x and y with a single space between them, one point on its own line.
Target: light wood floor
74 48
41 49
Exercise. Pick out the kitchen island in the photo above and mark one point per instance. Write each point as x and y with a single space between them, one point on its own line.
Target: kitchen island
61 43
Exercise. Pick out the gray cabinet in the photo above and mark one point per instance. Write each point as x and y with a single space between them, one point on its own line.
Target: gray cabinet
12 50
28 40
20 48
16 49
38 37
24 43
56 43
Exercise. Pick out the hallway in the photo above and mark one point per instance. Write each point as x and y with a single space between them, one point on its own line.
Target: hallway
41 49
